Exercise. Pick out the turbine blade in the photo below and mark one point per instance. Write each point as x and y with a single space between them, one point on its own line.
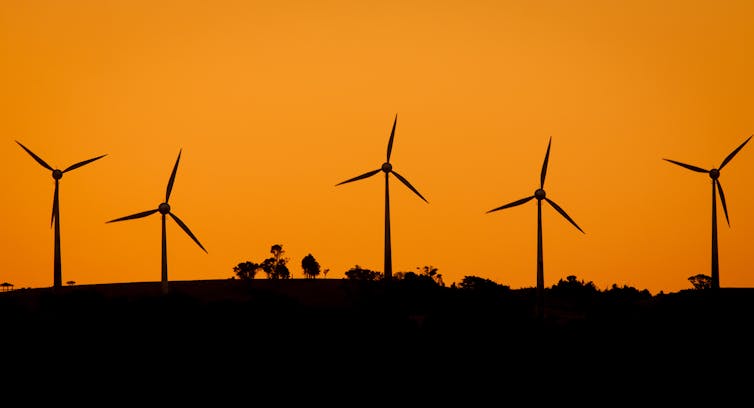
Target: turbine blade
55 204
722 200
688 166
563 213
404 181
172 177
513 204
390 142
544 165
733 153
37 158
363 176
134 216
187 230
79 164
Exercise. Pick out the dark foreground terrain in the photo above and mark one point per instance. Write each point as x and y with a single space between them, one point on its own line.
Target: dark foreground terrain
364 335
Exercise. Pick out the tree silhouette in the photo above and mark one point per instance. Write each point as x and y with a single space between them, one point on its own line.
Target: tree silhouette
310 266
275 267
573 291
701 281
359 273
471 282
411 278
572 283
431 271
246 270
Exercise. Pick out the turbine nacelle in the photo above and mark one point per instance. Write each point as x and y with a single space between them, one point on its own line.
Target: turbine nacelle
540 194
714 174
387 167
163 208
57 174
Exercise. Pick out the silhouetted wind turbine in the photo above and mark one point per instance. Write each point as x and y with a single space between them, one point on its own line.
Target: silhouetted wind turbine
57 280
388 169
164 209
540 195
714 174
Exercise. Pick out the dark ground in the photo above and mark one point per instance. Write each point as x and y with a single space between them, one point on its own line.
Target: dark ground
358 335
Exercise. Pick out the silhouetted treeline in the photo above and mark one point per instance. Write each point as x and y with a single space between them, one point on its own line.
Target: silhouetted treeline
414 305
353 331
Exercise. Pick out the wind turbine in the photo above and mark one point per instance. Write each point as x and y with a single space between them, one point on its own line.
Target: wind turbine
57 174
387 168
714 174
164 209
540 195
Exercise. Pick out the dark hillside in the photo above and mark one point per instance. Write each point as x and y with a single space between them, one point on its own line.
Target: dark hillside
356 329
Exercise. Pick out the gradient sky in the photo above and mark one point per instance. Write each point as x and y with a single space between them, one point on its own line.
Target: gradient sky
274 102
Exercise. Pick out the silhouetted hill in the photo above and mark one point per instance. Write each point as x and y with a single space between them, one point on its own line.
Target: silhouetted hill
413 307
359 329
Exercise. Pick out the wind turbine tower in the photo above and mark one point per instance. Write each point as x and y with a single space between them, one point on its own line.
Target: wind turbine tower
540 195
57 174
387 168
165 209
714 174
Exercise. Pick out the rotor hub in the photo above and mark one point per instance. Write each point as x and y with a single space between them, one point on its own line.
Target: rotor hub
57 174
540 194
164 208
714 174
387 167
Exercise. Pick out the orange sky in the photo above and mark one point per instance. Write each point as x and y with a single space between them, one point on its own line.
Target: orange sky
273 103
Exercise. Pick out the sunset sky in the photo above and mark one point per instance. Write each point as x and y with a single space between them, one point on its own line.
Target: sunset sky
275 102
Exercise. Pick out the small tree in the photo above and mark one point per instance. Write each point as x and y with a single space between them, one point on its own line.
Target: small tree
701 281
359 273
471 282
310 266
246 270
431 272
573 283
276 267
